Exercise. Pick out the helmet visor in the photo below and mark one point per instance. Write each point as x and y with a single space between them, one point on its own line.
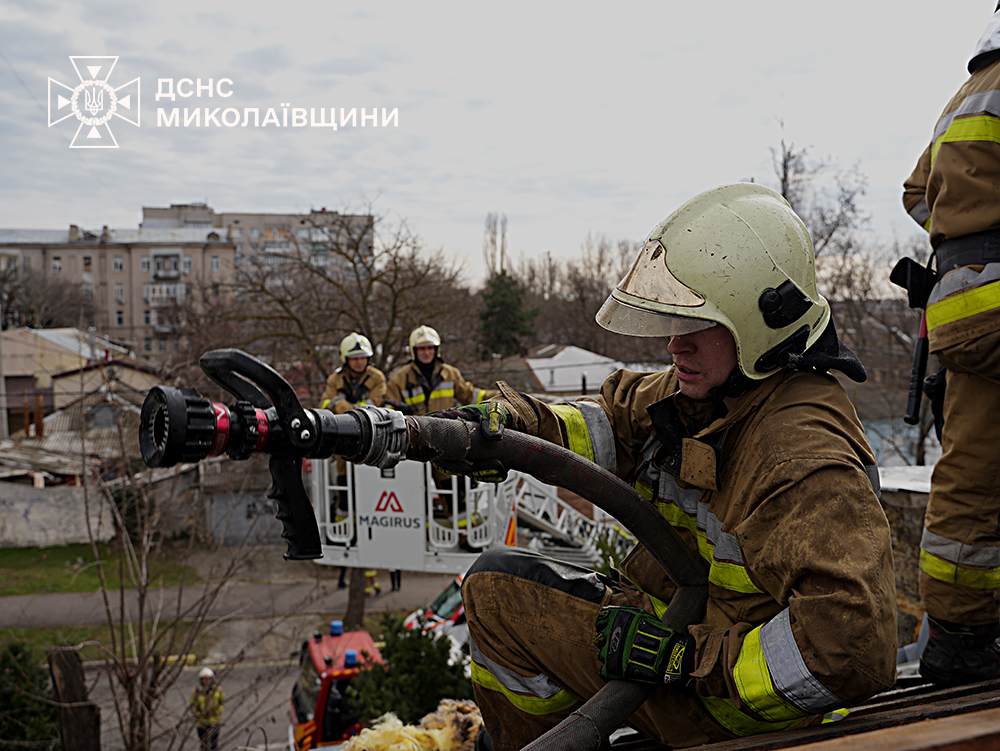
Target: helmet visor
623 318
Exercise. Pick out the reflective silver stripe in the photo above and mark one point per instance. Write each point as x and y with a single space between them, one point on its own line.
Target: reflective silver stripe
920 212
535 685
602 437
689 501
960 553
788 670
984 101
686 499
726 546
962 279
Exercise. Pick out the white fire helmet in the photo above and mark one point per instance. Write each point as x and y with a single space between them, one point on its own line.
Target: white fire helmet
738 256
424 336
355 345
206 673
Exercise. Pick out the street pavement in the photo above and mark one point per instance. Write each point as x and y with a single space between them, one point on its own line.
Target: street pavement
234 600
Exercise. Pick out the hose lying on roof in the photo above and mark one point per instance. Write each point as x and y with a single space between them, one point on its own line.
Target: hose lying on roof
588 727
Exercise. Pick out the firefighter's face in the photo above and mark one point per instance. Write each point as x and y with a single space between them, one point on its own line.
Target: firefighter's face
357 365
703 360
425 353
205 680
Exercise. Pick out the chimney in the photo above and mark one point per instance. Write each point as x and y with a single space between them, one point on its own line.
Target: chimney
74 233
105 235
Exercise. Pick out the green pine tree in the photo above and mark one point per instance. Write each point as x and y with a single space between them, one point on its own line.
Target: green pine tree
504 320
416 678
25 720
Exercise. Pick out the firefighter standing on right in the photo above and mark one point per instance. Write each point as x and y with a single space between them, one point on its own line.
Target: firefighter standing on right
953 194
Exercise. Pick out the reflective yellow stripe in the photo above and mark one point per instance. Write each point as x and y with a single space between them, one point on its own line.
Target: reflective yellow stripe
733 720
533 705
963 305
645 491
478 396
576 430
755 686
417 399
443 393
659 606
325 402
835 716
728 575
979 128
979 578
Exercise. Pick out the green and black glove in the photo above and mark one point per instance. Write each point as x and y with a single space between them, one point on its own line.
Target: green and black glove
492 418
635 646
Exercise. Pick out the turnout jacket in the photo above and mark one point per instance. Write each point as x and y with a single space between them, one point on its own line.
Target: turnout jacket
342 395
408 385
206 704
777 497
952 193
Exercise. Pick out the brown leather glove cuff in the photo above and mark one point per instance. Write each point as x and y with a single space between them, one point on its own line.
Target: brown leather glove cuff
524 413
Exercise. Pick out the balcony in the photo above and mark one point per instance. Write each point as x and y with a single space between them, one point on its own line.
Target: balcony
164 295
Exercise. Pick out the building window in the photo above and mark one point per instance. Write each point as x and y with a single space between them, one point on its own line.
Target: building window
119 318
56 264
144 264
302 233
237 232
119 293
88 291
161 344
117 264
86 263
187 264
147 344
254 232
26 263
147 319
215 263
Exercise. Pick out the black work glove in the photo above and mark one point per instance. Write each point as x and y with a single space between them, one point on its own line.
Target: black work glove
635 646
403 407
492 418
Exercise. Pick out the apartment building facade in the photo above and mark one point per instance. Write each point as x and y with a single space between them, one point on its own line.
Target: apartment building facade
259 236
137 278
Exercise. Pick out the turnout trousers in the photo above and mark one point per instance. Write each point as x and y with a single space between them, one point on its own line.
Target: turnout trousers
531 623
960 547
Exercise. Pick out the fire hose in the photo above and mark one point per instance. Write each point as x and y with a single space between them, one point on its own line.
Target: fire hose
178 425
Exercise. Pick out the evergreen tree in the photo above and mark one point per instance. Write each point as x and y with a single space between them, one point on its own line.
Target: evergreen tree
504 320
26 720
416 677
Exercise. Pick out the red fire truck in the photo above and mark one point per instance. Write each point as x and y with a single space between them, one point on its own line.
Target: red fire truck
320 712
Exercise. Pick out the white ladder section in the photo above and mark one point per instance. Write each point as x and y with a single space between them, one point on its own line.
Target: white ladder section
406 518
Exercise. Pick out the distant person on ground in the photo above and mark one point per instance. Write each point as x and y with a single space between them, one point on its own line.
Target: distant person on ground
206 704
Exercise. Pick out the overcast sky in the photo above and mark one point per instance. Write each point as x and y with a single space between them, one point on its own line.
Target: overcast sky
567 117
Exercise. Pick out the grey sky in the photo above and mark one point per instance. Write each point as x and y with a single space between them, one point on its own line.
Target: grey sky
568 117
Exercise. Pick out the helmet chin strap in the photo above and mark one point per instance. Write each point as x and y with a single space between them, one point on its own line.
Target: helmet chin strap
734 386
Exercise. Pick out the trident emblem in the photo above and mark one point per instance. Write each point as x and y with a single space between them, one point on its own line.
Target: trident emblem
94 100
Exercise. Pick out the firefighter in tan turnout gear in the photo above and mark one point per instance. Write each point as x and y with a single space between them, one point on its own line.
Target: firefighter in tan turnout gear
753 452
354 384
952 194
427 383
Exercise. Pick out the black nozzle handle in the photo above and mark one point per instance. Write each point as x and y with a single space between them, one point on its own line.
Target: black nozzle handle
295 512
257 382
